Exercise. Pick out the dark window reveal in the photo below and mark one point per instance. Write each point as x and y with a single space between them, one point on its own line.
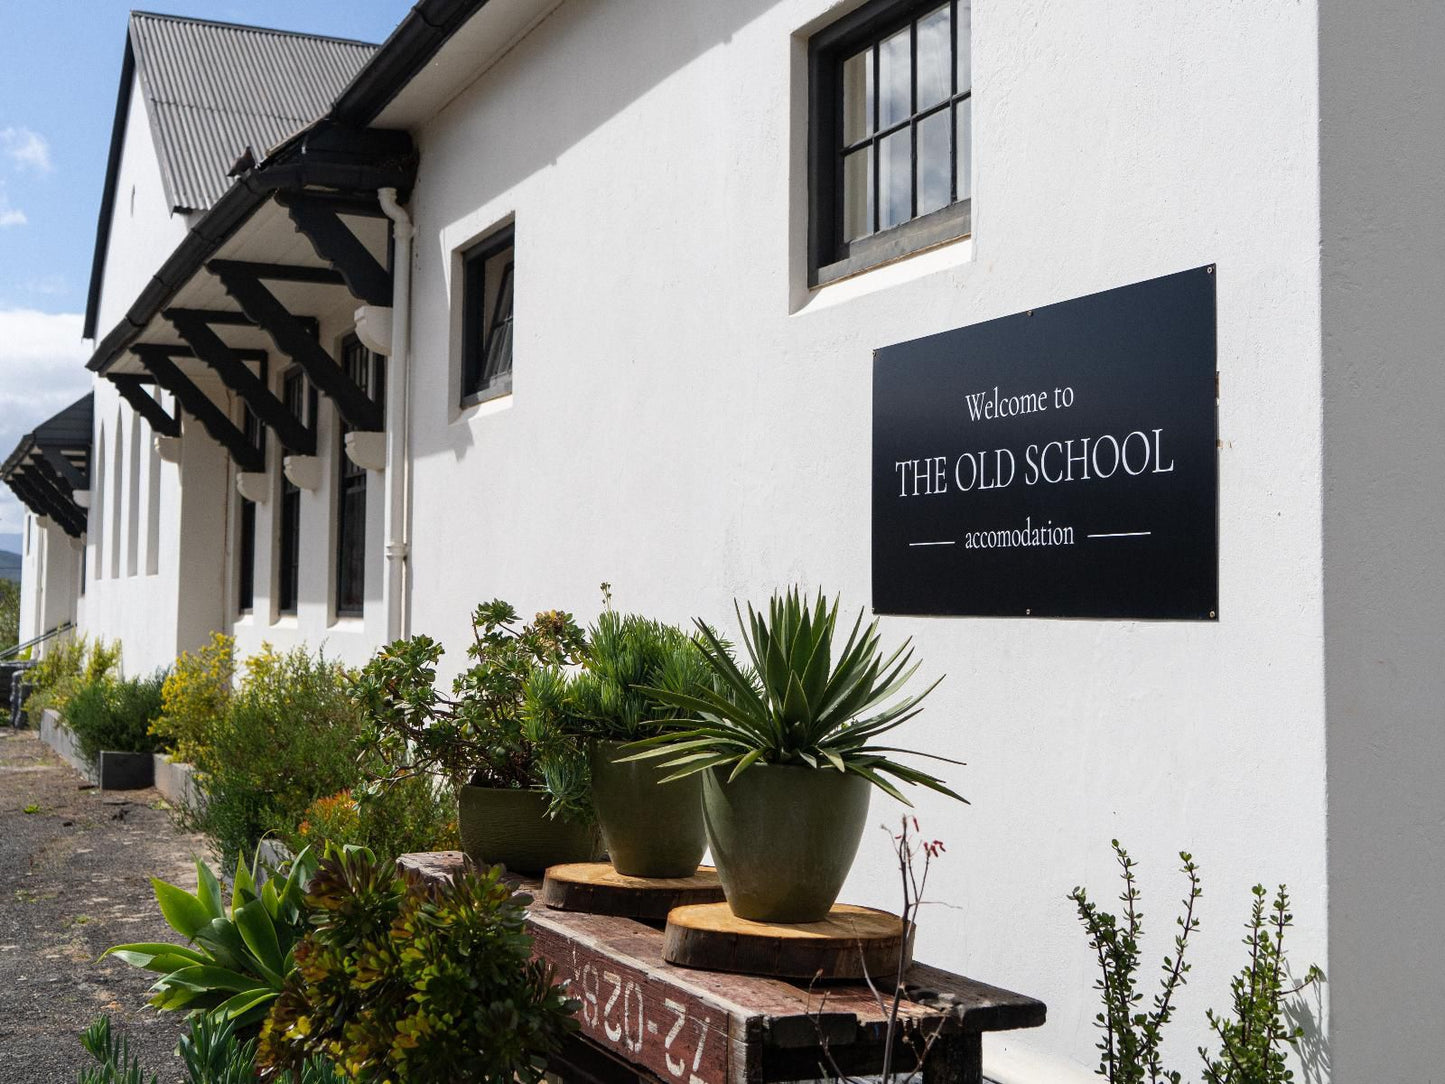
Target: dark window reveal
288 540
487 318
246 574
890 156
368 372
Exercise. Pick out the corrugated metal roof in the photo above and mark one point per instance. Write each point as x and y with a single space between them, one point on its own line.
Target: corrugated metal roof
213 89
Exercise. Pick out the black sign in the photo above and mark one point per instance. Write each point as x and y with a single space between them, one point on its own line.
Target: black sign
1056 463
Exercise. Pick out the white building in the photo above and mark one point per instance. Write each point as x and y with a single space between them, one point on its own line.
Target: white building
683 406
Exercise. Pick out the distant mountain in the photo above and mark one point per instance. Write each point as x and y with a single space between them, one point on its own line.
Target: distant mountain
9 566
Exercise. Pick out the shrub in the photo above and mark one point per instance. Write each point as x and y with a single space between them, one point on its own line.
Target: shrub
66 665
287 739
115 714
195 697
415 983
412 815
9 614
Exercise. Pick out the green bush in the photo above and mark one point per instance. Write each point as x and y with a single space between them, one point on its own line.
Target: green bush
414 983
415 814
195 697
115 714
9 614
287 739
68 663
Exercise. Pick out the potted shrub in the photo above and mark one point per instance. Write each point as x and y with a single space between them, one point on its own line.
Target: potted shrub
521 788
650 829
787 750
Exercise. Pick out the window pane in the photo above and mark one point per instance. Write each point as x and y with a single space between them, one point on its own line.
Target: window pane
965 42
935 60
895 179
964 112
894 70
857 97
935 171
858 194
499 335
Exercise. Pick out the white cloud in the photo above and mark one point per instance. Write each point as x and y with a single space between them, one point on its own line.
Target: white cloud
42 371
27 149
9 216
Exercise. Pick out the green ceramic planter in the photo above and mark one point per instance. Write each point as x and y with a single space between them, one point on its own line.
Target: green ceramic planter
511 828
651 829
784 838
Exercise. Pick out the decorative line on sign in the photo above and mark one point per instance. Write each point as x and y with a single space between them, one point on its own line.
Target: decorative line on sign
932 543
1124 534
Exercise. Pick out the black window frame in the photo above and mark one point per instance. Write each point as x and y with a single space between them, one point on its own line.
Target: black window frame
246 524
367 370
830 256
480 328
300 398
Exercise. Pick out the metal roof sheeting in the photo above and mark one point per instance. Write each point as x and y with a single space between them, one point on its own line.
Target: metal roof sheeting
213 89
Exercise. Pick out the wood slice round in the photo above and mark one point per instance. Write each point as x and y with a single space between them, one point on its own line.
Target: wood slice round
850 943
598 889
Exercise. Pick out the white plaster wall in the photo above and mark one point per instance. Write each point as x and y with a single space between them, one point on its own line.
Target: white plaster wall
315 624
689 424
50 577
141 610
1384 517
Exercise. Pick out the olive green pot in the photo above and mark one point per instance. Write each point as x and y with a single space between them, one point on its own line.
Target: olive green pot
784 838
511 828
651 829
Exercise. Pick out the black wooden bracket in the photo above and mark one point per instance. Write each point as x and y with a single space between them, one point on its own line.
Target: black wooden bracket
133 390
336 243
44 499
63 467
293 335
195 328
213 419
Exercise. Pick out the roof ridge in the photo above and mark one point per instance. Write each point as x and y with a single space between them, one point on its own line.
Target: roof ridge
222 24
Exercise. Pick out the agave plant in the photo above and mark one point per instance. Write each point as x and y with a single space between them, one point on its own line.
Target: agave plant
795 704
237 957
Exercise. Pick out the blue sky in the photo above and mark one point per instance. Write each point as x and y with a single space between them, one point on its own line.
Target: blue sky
59 73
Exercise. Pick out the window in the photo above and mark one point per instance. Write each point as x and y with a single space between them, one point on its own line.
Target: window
246 574
368 372
288 542
890 150
487 318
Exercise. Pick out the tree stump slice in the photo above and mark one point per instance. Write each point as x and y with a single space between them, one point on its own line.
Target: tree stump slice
598 889
851 943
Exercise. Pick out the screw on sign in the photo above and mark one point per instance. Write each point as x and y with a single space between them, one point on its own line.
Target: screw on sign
670 1035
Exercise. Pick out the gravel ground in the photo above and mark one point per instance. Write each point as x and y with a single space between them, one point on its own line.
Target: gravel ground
75 868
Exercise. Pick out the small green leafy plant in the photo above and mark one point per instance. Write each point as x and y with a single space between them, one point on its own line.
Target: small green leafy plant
210 1050
196 696
797 703
1252 1042
67 664
115 714
1132 1035
413 983
478 735
236 958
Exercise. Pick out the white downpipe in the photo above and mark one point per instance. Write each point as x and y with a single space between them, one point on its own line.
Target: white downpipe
395 585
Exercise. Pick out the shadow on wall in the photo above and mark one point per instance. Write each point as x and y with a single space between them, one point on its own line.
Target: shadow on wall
584 64
1307 1012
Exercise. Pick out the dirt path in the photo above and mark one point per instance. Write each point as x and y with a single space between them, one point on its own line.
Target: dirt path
75 879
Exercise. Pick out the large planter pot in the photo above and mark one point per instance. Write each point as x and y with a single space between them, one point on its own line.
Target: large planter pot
651 829
784 838
511 828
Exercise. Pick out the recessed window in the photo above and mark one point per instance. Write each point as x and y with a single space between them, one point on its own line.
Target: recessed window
487 318
368 372
301 402
890 161
246 573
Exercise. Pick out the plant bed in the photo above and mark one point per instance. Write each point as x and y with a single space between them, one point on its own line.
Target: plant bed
54 733
175 779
